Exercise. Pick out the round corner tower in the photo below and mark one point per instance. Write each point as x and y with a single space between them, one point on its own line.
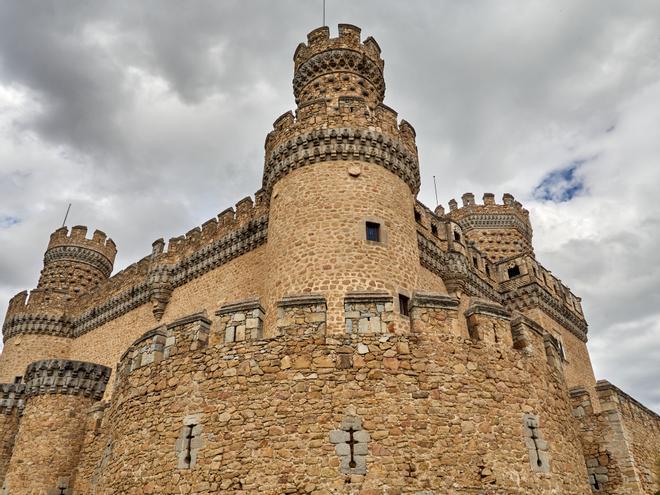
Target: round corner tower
37 327
74 264
500 230
341 176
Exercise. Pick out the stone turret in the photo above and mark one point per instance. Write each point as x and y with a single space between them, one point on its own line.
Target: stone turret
37 325
499 230
75 264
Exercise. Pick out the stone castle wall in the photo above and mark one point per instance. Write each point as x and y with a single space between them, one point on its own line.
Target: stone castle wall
268 414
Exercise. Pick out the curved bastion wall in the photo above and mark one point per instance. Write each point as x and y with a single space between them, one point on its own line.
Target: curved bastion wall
278 415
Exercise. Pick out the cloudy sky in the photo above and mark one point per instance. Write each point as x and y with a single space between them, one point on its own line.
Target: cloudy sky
150 118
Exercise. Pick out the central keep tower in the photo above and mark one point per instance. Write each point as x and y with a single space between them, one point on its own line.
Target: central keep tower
341 176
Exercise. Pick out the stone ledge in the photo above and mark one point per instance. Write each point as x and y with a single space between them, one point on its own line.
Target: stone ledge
524 320
60 376
302 300
430 300
487 308
367 297
245 305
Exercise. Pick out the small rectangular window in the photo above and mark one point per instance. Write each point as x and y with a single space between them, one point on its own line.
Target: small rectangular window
418 217
403 305
18 379
457 236
514 271
373 231
434 230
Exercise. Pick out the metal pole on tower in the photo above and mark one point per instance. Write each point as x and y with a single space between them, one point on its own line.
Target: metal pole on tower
323 13
435 187
66 215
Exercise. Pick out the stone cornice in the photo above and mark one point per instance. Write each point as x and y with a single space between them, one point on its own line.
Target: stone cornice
78 254
495 221
336 61
301 300
40 324
59 376
323 145
534 296
487 308
246 238
11 397
367 297
438 301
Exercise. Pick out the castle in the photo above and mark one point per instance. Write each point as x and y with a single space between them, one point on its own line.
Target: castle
333 335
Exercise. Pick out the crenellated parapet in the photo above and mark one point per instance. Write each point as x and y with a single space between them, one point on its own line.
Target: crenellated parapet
327 67
339 89
60 376
499 230
75 263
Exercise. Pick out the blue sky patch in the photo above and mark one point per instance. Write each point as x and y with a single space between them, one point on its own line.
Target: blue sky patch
7 221
561 185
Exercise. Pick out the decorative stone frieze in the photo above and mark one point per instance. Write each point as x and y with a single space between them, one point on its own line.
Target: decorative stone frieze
77 254
158 289
241 321
60 376
332 61
534 296
41 324
302 315
246 238
12 397
369 313
322 145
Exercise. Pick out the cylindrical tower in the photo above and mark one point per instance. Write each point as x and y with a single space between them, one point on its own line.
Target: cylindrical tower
75 264
47 446
341 175
499 230
37 327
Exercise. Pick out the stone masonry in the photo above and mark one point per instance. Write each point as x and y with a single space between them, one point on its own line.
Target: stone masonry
331 335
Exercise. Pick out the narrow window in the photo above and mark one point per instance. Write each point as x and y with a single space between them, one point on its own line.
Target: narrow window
514 271
18 379
403 305
434 230
457 236
475 262
418 217
373 231
188 445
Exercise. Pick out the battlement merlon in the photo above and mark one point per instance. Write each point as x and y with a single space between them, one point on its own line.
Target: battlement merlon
342 65
78 238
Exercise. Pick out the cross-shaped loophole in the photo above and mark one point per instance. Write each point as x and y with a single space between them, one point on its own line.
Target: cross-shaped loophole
534 438
351 442
189 438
